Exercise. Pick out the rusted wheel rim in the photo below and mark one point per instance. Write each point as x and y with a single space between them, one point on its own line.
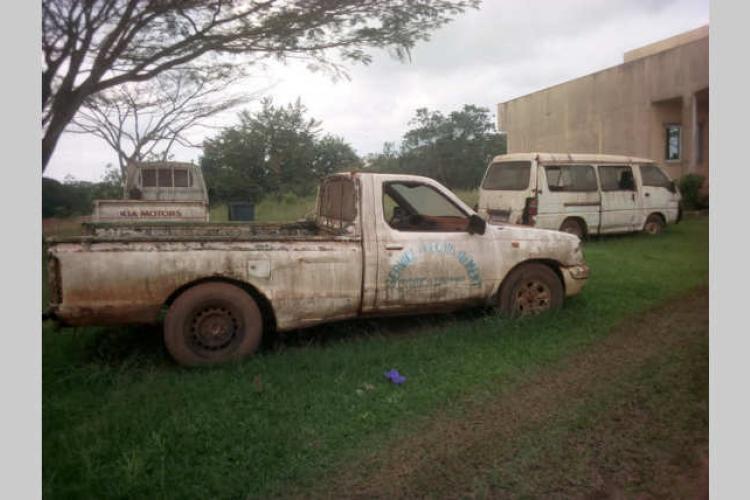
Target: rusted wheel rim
212 329
652 227
532 297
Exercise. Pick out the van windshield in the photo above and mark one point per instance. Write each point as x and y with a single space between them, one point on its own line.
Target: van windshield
508 176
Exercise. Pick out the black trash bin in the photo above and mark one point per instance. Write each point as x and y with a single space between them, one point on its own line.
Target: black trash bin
241 211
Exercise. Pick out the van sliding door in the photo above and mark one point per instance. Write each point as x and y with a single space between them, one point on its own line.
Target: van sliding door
571 192
619 195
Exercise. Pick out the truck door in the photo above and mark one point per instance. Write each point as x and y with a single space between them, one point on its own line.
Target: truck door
619 198
426 257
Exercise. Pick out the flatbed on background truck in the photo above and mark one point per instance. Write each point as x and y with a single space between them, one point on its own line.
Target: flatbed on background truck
158 191
378 244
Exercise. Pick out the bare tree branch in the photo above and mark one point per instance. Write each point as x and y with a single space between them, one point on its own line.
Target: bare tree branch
93 46
145 121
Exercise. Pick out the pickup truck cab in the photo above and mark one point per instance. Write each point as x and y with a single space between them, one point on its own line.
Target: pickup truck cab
377 244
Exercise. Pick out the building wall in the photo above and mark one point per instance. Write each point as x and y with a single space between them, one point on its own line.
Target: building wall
620 110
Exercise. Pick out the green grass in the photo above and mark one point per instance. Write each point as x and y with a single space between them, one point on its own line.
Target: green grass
121 420
283 208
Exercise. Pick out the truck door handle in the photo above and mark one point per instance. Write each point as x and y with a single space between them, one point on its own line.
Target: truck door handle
394 246
646 194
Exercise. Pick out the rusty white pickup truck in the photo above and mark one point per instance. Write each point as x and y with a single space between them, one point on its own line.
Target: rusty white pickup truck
377 244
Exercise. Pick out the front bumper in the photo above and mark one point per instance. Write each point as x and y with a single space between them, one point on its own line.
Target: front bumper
574 278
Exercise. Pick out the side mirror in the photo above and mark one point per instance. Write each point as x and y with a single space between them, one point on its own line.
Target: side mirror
672 187
477 225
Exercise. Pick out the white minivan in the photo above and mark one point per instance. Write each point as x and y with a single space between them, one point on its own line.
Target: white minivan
583 194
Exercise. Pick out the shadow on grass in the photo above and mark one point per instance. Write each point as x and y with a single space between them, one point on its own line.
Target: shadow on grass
143 346
132 346
362 329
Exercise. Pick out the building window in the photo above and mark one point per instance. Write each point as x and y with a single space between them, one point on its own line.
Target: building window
673 142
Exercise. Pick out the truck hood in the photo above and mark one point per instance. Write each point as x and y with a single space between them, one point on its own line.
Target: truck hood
539 243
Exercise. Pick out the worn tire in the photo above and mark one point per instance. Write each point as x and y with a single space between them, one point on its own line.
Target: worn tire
654 225
212 323
530 289
573 226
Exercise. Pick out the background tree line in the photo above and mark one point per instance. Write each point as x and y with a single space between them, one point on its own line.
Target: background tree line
279 149
454 149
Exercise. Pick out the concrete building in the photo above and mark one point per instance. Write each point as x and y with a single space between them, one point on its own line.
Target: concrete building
653 105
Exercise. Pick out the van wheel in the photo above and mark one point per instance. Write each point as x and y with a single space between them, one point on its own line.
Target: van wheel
212 323
530 289
573 226
654 225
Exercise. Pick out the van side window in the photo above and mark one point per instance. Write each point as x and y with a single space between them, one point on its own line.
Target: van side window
653 176
616 178
570 178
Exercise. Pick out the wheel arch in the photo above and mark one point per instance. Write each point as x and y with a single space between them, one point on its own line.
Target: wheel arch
658 214
580 220
264 304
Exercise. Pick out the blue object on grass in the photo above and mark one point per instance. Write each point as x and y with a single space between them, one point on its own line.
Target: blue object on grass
395 377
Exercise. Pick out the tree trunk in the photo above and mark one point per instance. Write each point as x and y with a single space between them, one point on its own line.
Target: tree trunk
64 109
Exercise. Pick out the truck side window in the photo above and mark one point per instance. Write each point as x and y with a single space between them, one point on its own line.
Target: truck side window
181 177
148 177
616 178
412 206
165 177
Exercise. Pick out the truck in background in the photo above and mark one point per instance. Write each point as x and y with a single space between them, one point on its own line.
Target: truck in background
159 192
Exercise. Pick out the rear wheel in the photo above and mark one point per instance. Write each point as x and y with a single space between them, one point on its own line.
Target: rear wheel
573 226
529 290
654 225
212 323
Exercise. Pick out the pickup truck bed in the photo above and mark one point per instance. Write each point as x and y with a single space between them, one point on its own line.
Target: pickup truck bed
223 231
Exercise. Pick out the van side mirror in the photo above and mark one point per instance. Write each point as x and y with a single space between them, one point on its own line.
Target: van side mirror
672 187
477 225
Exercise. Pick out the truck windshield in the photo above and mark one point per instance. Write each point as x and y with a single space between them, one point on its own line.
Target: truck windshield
508 176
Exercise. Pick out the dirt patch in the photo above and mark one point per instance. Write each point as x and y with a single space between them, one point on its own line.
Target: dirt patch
576 429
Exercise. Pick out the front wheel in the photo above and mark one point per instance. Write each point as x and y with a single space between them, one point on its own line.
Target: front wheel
529 290
654 225
212 323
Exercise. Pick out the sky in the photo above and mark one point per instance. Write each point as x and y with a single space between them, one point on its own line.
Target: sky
506 49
